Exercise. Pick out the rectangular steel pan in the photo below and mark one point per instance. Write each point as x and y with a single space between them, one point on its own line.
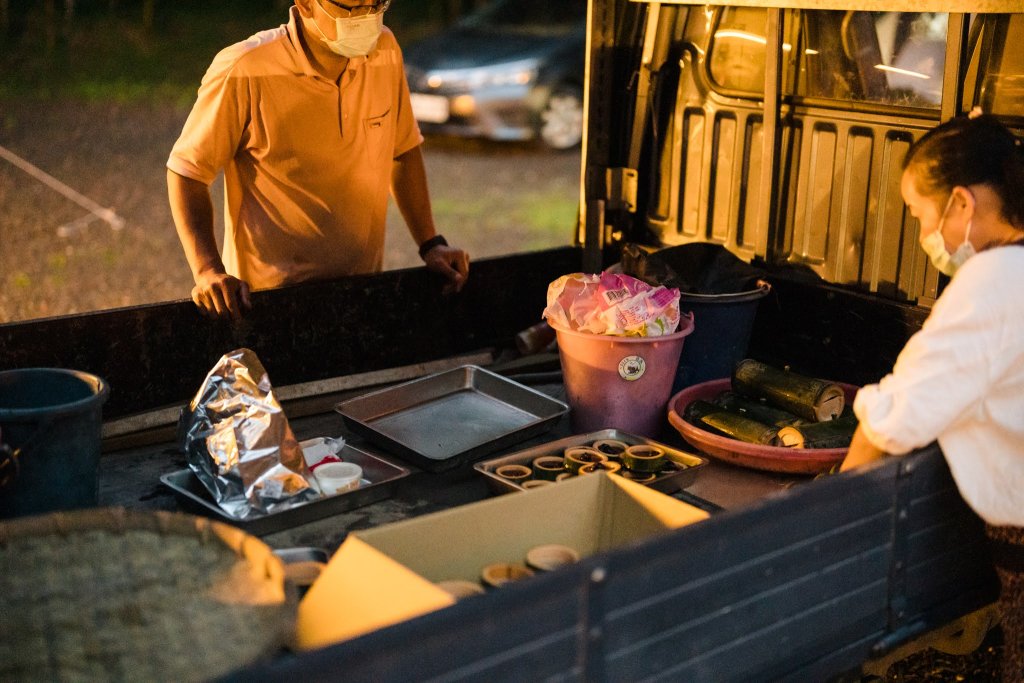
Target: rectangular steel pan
691 465
452 417
379 480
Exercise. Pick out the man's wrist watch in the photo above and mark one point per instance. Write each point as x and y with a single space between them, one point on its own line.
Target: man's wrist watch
431 243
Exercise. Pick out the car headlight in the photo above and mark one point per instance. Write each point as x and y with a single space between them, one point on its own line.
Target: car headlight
523 72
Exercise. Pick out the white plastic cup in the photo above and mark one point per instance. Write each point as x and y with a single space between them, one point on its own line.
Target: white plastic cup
338 477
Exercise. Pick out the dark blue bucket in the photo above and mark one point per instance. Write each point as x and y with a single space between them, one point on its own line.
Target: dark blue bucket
721 334
50 422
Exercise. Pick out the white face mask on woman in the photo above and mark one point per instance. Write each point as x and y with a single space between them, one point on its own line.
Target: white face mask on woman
935 246
356 36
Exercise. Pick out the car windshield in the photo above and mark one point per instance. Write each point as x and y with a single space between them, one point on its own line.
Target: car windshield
531 17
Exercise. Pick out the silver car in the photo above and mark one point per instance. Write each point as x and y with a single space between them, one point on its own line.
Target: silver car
511 71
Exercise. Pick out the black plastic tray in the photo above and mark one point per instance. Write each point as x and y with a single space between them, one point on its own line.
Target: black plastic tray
443 420
691 464
379 480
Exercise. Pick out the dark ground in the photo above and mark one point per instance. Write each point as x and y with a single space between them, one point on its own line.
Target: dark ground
981 666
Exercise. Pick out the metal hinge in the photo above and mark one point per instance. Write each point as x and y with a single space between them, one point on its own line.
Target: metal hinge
621 188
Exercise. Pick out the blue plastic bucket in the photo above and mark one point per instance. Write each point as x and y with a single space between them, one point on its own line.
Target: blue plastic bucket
721 334
50 422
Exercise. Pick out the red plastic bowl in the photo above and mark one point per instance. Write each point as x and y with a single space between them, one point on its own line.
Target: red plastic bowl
756 456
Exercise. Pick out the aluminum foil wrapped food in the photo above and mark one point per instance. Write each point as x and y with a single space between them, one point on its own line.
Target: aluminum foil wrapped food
239 444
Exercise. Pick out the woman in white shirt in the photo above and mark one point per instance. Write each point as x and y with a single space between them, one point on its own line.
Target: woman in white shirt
960 379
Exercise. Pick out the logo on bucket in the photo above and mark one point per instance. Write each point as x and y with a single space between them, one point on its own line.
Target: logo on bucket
632 368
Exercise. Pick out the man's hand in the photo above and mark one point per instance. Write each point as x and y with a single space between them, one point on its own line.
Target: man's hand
219 295
452 263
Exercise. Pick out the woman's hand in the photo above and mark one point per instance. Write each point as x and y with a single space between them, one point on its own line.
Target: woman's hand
861 452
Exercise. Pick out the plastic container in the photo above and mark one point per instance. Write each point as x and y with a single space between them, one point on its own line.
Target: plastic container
50 422
721 335
619 382
338 477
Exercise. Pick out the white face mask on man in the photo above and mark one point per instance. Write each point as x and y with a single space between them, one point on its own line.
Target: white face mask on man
935 246
356 36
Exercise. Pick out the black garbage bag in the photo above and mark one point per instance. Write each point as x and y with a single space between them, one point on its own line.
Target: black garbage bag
696 268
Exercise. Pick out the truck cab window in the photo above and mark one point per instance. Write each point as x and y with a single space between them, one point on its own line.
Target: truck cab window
736 55
1002 74
894 58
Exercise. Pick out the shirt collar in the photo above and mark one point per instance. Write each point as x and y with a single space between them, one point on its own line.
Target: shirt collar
294 28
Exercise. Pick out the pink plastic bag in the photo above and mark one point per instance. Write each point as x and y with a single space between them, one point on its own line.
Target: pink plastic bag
612 304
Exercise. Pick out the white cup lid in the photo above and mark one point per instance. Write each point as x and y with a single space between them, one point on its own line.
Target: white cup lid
336 474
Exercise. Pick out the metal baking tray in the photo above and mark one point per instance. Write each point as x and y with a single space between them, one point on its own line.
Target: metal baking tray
689 465
379 480
443 420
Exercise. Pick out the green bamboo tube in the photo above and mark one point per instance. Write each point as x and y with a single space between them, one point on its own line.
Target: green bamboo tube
578 456
644 458
812 399
832 434
548 467
611 448
742 428
756 410
695 410
638 477
516 474
606 466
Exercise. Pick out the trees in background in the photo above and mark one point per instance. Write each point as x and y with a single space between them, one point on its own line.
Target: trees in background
56 18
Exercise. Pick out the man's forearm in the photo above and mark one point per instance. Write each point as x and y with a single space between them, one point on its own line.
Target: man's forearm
409 188
192 211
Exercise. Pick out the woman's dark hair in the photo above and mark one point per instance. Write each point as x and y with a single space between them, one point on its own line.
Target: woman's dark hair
971 151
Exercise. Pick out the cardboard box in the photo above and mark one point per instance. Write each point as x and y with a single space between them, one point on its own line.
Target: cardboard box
386 575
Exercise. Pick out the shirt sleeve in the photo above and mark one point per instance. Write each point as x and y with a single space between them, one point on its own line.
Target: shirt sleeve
214 128
940 374
407 131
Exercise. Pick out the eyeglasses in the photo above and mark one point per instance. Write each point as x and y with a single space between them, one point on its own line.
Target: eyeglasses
378 7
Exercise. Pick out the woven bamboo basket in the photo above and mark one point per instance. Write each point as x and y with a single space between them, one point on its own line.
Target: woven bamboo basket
110 594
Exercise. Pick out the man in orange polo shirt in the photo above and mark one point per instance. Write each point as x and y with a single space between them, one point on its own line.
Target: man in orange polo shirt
311 124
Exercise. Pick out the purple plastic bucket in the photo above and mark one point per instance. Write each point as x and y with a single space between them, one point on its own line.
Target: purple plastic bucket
619 382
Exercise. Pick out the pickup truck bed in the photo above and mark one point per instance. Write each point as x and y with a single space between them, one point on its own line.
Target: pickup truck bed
794 579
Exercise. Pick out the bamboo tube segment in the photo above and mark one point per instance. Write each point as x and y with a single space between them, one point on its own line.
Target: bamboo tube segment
757 410
638 477
548 467
813 399
606 466
695 410
578 456
742 428
514 473
643 458
832 434
500 573
612 448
